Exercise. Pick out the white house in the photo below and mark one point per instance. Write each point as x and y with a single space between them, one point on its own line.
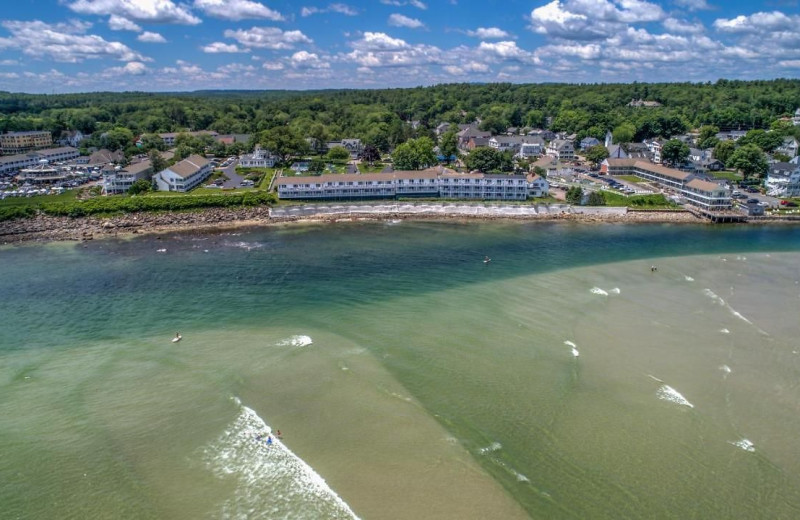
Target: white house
783 180
796 118
183 176
788 147
119 179
260 158
561 149
538 186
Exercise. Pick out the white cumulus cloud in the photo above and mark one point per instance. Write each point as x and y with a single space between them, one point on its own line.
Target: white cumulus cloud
65 42
332 8
236 10
221 47
308 60
399 20
758 22
151 37
267 38
151 11
118 23
489 33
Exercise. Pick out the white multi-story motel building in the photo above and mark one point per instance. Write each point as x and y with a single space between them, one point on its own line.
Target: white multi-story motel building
13 163
425 183
704 194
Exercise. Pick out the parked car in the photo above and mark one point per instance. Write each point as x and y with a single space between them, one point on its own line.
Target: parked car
789 203
752 201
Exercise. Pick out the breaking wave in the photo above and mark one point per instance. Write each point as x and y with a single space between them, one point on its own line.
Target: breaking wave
296 341
744 444
597 290
667 393
270 481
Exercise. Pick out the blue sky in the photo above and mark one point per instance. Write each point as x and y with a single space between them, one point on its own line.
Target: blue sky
166 45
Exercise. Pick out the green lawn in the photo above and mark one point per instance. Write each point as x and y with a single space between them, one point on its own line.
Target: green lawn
656 201
728 175
630 178
21 202
375 168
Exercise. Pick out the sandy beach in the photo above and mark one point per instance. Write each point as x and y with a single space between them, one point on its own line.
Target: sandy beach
44 228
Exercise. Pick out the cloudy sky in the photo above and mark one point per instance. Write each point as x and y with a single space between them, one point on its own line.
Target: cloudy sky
167 45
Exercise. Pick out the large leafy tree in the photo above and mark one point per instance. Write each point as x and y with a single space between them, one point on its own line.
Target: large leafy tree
708 137
414 154
284 142
370 154
674 152
486 160
574 195
448 145
723 151
624 133
338 154
750 160
596 154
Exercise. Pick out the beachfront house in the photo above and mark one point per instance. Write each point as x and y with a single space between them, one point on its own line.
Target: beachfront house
783 180
119 179
184 175
707 195
260 158
537 186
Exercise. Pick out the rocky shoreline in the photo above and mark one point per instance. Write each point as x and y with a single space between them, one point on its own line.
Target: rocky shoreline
43 228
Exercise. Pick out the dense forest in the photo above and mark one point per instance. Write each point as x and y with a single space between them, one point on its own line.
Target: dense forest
383 118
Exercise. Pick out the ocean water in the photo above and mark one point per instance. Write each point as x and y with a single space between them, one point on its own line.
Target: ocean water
408 378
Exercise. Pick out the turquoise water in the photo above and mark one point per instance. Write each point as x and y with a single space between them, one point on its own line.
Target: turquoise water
562 380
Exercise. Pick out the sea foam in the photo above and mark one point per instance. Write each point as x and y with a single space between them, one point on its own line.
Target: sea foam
688 278
667 393
597 290
270 481
296 341
744 444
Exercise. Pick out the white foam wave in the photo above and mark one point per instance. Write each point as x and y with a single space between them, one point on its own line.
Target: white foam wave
688 278
725 331
597 290
270 480
725 369
575 352
711 294
296 341
247 246
495 446
570 344
744 444
615 290
739 315
162 250
667 393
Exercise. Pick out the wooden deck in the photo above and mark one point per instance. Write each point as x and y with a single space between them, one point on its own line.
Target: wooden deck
717 217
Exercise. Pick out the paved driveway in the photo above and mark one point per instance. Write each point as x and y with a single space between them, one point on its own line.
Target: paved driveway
234 179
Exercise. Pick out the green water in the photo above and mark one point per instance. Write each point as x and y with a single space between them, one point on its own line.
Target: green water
433 386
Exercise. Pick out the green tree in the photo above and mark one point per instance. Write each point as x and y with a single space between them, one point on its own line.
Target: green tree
140 186
284 142
750 160
414 154
118 138
596 154
708 137
674 152
487 160
317 165
338 154
624 133
723 151
767 141
158 162
574 195
596 198
448 144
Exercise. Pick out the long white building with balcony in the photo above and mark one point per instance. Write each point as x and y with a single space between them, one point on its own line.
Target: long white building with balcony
425 183
183 176
698 192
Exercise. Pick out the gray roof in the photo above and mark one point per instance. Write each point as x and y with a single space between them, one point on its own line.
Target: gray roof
189 166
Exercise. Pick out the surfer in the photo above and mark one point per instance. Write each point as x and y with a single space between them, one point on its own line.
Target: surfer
653 269
177 337
486 259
